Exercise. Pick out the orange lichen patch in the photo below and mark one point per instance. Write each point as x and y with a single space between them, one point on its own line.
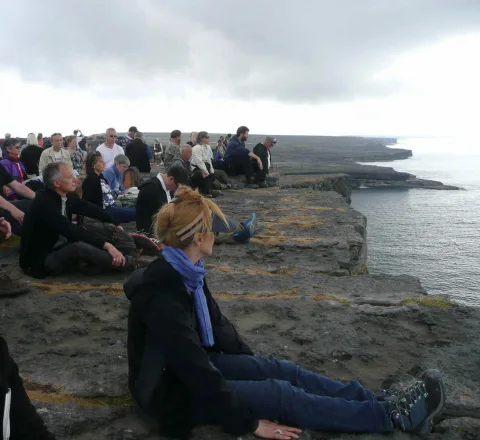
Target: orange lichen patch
13 241
328 297
302 221
52 288
282 294
53 394
272 237
271 273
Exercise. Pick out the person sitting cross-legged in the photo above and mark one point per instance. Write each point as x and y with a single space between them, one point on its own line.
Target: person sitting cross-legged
114 174
189 366
51 243
97 191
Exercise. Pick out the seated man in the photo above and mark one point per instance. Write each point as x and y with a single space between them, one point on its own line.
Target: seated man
114 174
51 243
14 211
262 150
183 161
173 148
154 193
237 157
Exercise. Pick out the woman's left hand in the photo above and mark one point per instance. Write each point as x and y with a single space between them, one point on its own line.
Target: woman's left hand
272 430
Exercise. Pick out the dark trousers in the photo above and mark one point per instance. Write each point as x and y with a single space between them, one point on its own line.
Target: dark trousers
260 175
204 185
22 205
122 215
73 254
281 390
240 165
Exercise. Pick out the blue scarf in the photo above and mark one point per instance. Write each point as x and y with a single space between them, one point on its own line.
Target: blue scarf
193 275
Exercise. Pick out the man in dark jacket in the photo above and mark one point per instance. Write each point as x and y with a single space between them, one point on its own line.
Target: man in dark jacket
139 154
20 419
184 160
51 243
237 156
155 193
30 156
153 382
262 150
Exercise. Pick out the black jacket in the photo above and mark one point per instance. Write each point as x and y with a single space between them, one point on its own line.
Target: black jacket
151 198
262 152
30 156
25 423
92 189
168 367
136 151
45 223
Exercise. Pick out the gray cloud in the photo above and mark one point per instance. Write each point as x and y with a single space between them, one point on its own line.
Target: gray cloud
289 50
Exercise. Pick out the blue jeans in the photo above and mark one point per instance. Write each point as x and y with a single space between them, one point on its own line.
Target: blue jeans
122 215
281 390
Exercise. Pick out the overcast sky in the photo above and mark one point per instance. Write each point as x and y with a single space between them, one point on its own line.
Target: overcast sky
400 67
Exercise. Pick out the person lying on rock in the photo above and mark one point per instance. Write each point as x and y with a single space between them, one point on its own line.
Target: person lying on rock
51 243
20 419
14 211
96 190
188 365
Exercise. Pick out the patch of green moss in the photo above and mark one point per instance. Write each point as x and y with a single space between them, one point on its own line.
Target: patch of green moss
439 303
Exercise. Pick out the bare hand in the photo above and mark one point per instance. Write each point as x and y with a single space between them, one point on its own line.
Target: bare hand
118 258
18 215
5 228
205 175
271 430
260 164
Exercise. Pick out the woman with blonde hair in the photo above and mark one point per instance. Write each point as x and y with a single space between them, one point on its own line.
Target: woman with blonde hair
188 365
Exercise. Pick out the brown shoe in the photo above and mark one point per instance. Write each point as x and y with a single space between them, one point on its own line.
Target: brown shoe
9 287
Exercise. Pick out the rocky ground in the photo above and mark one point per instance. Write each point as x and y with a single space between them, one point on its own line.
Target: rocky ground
300 291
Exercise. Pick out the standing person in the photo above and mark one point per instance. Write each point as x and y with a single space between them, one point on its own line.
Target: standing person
203 173
114 174
189 366
14 212
110 149
30 155
237 156
262 150
139 153
77 155
97 191
172 151
123 141
40 139
13 165
56 153
51 243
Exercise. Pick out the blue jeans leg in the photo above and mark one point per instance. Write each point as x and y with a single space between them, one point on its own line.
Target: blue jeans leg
122 215
276 390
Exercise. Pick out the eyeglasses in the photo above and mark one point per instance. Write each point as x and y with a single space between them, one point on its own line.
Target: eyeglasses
112 135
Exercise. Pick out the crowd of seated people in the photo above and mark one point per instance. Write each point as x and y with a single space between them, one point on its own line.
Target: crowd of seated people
187 363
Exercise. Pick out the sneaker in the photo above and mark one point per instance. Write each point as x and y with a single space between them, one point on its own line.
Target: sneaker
215 193
149 244
9 287
249 224
413 408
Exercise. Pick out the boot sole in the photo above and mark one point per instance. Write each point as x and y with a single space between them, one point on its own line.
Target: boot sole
425 427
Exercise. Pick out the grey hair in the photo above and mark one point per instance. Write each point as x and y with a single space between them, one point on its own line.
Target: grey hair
32 139
185 147
138 135
52 172
108 129
122 160
7 135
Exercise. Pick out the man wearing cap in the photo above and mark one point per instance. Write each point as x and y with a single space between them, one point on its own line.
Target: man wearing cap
123 141
262 150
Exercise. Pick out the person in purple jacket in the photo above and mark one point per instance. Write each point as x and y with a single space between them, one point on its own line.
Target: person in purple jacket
13 165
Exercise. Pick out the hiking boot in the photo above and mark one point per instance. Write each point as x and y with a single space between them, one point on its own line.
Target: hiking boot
147 243
413 408
9 287
215 193
249 224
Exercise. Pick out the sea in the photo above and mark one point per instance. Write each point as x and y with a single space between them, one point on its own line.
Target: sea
431 234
